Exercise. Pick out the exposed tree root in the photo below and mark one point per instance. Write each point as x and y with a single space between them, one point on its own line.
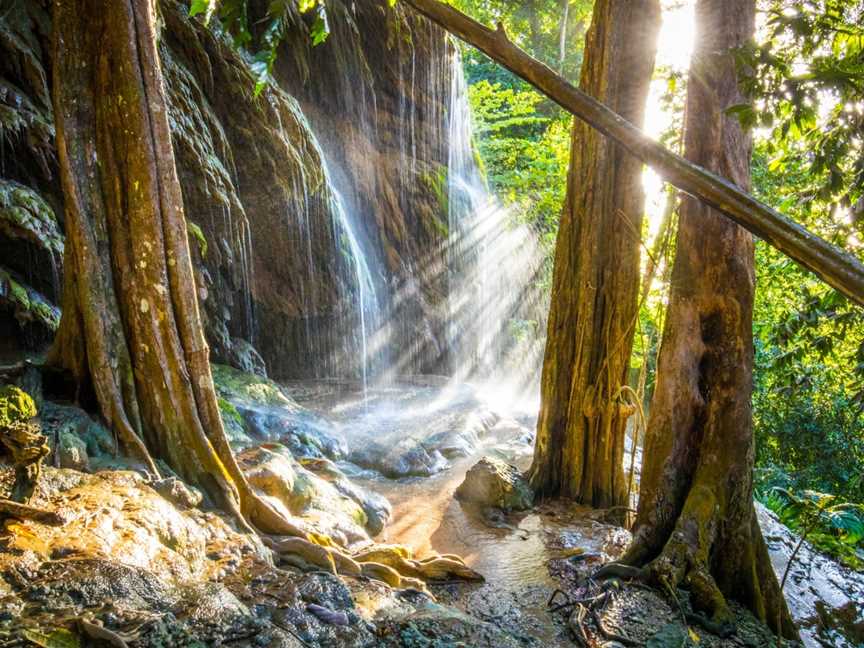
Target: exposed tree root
610 635
619 570
390 564
432 568
576 623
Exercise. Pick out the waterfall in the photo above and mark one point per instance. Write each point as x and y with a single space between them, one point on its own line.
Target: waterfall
496 305
367 306
336 294
468 200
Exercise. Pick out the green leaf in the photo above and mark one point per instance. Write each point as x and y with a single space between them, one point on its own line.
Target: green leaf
59 638
319 31
199 7
745 113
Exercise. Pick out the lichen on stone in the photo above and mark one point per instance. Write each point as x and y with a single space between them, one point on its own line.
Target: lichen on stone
198 235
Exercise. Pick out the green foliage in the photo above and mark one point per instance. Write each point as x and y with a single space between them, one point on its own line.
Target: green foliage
807 76
198 234
833 526
526 154
535 26
270 30
524 138
808 400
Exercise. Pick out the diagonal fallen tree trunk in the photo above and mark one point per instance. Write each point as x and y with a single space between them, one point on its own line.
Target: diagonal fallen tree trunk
835 266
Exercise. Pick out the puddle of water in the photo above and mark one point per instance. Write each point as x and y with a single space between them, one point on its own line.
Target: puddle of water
426 518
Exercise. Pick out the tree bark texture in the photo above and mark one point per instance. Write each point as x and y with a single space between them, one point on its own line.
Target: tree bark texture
580 437
696 524
131 325
838 268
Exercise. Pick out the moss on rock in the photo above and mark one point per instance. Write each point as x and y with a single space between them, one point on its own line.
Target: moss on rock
494 483
16 406
25 215
234 385
28 304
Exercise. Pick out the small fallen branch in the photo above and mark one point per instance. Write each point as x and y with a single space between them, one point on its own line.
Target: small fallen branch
576 622
32 513
610 635
101 634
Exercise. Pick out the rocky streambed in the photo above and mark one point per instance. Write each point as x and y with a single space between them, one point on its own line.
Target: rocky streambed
143 563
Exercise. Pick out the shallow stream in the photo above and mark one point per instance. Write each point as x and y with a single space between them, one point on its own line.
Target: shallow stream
513 552
523 557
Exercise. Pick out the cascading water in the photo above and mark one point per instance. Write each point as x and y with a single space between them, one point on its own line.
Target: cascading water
337 294
433 272
468 200
367 307
495 302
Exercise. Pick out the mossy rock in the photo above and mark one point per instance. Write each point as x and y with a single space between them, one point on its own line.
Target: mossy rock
240 387
16 406
235 427
72 452
495 483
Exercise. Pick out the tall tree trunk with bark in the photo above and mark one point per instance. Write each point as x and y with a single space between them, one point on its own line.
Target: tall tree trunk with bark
580 435
696 524
130 326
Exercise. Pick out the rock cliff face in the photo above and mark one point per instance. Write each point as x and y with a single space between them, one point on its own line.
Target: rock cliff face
317 209
31 243
377 93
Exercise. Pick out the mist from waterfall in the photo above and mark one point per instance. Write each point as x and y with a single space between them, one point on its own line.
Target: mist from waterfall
497 308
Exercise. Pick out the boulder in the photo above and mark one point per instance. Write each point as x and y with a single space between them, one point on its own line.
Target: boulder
298 492
72 452
80 442
375 506
255 408
271 472
494 483
175 491
404 459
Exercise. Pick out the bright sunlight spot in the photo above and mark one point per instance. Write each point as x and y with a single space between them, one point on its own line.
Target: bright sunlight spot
674 48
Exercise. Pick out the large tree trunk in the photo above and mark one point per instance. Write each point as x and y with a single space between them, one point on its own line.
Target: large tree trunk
696 524
836 267
580 435
130 325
